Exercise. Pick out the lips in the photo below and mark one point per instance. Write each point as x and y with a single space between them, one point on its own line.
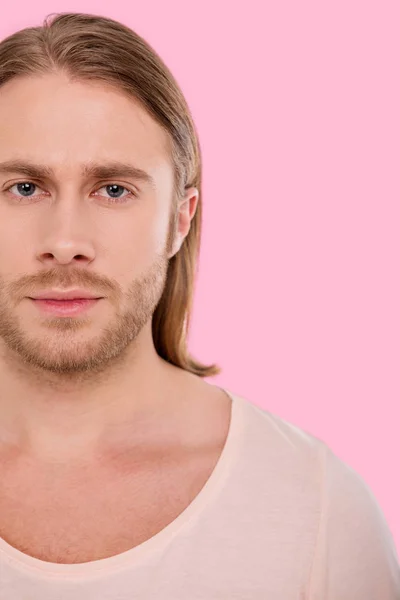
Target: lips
65 307
61 299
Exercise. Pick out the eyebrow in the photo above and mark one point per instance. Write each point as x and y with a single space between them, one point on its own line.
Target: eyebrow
107 170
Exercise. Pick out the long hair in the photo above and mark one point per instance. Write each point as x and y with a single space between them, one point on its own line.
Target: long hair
91 47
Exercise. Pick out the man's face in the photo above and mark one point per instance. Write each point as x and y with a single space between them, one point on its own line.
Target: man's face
73 230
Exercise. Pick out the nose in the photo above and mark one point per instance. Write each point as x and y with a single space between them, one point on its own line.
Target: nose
65 237
64 255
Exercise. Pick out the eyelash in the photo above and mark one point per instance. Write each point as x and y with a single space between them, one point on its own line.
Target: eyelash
112 200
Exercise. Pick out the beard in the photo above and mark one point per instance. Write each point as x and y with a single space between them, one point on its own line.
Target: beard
67 352
68 346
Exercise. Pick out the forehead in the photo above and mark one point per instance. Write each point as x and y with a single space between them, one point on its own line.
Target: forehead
65 124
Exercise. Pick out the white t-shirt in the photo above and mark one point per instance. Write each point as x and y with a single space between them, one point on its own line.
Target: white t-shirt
281 517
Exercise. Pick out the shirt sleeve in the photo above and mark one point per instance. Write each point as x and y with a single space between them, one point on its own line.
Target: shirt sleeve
355 554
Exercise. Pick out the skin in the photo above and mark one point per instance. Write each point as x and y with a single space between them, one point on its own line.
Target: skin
83 387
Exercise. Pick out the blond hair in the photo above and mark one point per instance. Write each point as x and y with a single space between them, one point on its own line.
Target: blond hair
91 47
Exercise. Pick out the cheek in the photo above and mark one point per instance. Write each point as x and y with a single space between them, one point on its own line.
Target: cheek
150 232
16 246
135 242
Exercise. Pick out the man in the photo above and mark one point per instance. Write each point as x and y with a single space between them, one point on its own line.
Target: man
123 474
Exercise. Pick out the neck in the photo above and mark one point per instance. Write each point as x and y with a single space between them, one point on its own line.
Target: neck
44 420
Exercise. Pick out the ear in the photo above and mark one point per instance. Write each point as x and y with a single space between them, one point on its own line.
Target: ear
186 211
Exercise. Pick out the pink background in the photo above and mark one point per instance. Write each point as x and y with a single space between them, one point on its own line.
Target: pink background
297 106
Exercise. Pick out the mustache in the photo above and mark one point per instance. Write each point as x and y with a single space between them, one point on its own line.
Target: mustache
28 285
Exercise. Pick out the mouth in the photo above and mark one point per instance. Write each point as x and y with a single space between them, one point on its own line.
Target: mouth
67 307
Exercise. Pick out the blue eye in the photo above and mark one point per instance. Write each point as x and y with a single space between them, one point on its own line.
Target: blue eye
26 189
114 189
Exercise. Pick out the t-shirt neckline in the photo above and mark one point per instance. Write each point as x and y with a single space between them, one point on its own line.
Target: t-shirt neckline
134 555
